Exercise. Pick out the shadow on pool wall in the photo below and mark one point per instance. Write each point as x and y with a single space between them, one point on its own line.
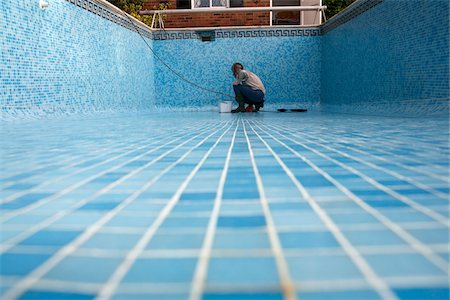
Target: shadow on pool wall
387 57
393 59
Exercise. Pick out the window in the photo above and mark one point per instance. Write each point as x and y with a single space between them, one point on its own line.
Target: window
296 17
286 17
236 3
210 3
183 4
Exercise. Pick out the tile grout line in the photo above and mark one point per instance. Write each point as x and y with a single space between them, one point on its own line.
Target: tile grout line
153 140
205 254
79 184
425 210
444 179
16 239
111 285
287 284
14 197
404 235
393 173
24 284
375 281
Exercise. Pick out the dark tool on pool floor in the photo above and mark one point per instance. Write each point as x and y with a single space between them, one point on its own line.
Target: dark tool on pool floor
292 110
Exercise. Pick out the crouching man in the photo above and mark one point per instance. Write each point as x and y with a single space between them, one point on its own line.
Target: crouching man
248 88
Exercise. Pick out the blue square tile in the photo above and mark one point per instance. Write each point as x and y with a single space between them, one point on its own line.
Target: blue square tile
198 197
322 268
50 238
112 241
24 200
161 270
313 181
176 241
241 240
319 239
406 265
101 206
19 264
131 221
432 293
432 235
89 269
241 221
242 271
375 237
185 222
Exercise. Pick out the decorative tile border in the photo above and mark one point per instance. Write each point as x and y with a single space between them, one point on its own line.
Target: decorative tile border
276 32
354 10
104 11
238 33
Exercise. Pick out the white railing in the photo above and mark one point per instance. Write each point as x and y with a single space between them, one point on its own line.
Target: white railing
320 12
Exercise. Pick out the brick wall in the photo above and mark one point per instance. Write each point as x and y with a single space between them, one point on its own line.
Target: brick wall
216 19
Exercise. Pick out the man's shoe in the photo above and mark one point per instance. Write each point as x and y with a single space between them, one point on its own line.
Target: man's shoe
249 108
259 105
240 108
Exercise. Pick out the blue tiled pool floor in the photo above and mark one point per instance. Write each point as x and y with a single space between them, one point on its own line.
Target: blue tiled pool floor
219 206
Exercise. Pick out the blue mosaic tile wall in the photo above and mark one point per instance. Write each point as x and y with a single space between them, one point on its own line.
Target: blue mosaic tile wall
289 67
68 60
391 59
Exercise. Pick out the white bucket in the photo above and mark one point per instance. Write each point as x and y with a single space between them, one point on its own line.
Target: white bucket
225 106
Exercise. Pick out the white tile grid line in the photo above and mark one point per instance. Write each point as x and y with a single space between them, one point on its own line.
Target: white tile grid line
375 146
415 169
201 269
365 153
7 169
93 153
12 242
78 161
32 278
8 216
287 284
425 250
419 171
421 208
372 165
45 162
369 274
111 285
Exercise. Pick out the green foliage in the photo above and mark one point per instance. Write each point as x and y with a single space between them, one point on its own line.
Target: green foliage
133 7
335 6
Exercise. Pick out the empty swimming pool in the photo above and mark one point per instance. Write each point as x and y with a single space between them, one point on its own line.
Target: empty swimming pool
120 180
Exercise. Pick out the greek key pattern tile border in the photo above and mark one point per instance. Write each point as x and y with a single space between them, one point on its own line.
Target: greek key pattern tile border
238 33
354 10
105 12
